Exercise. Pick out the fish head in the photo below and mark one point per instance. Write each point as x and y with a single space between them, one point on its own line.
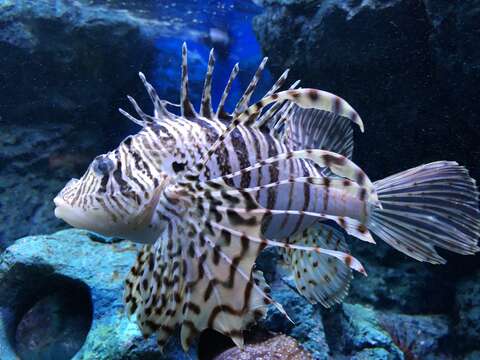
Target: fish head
116 196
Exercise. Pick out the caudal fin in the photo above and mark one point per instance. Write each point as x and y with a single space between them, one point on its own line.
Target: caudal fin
430 205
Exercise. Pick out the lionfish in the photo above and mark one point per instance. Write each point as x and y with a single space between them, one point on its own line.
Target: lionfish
205 192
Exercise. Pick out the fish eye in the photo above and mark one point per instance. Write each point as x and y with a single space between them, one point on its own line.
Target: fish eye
102 165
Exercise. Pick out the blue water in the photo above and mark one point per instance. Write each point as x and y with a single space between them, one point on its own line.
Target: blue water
232 17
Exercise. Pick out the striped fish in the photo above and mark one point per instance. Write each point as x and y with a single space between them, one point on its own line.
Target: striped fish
207 191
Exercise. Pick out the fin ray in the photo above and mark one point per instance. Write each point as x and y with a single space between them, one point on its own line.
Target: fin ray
317 129
221 106
244 100
318 277
186 108
422 210
206 102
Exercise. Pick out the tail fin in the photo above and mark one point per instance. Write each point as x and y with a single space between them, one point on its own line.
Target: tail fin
431 205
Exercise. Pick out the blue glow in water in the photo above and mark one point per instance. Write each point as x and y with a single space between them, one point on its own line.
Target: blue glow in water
232 20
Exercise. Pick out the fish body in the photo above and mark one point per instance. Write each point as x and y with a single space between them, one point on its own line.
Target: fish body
206 192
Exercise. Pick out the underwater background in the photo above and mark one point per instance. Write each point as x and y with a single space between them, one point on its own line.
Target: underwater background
411 68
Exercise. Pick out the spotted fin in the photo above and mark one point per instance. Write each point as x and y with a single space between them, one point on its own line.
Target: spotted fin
132 295
318 277
154 288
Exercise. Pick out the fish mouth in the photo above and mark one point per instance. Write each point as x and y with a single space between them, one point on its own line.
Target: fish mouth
63 210
59 201
77 217
59 204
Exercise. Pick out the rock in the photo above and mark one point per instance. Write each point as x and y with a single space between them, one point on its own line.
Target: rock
418 336
472 356
373 353
398 283
405 65
36 267
307 327
56 326
457 59
467 304
278 348
64 72
362 330
409 67
359 332
352 49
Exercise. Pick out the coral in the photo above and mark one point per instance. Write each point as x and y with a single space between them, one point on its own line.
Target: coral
278 348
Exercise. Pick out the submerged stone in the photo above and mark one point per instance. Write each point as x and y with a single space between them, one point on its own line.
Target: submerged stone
467 304
418 336
56 326
36 268
364 331
306 324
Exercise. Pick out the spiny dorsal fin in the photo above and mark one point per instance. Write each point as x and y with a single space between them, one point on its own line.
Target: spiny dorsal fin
318 277
160 111
187 109
269 117
244 100
306 98
278 121
144 118
221 114
278 84
317 129
206 104
159 107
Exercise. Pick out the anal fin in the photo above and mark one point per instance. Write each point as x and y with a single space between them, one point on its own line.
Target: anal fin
318 277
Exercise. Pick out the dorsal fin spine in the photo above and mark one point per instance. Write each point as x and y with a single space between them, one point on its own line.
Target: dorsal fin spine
221 106
187 109
244 100
306 98
159 107
206 104
274 110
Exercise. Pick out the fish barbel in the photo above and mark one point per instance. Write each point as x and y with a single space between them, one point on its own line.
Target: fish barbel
206 192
